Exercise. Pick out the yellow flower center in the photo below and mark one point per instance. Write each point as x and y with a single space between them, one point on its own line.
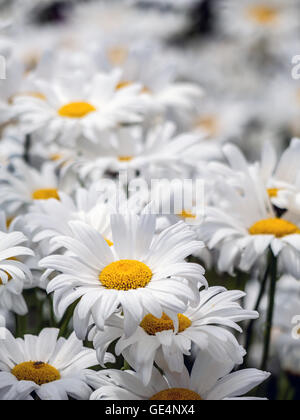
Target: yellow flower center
45 194
277 227
153 325
117 55
177 394
125 158
125 275
273 192
55 157
263 14
38 372
76 110
186 215
209 124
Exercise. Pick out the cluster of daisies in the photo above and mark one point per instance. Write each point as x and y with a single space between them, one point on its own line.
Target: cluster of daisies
103 294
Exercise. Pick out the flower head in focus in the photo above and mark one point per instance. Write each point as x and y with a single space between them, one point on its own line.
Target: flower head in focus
205 327
135 275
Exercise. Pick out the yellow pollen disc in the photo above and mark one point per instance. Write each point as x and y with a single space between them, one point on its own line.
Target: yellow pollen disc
276 227
125 275
146 90
125 158
186 215
153 325
76 110
273 192
55 157
45 194
117 55
178 394
209 124
263 14
38 372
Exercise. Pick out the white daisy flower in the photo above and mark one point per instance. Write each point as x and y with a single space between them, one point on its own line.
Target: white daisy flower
219 119
140 274
280 176
256 19
53 368
132 149
209 380
283 176
26 185
155 68
64 157
204 326
244 225
71 108
13 273
50 218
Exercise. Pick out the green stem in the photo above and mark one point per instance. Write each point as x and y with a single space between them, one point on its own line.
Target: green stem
52 315
126 365
39 308
64 325
27 148
250 330
270 313
21 326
